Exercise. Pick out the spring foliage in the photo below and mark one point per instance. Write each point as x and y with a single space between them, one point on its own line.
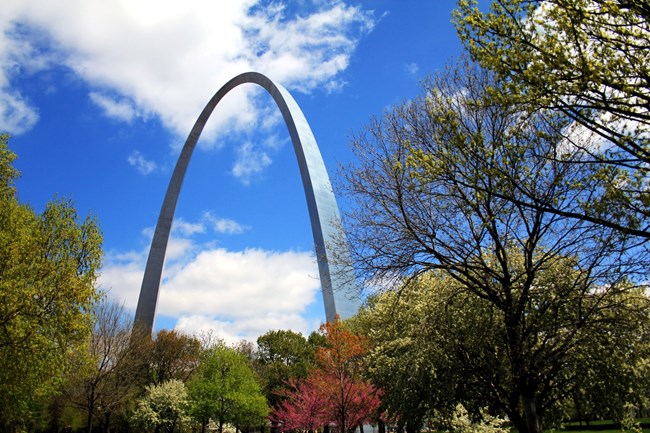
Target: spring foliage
48 270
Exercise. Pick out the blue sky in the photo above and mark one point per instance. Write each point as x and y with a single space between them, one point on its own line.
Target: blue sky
99 96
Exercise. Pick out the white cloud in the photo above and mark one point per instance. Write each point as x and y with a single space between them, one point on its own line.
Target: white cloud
119 109
224 225
412 68
247 329
237 284
238 294
16 116
186 228
208 220
250 162
166 58
144 166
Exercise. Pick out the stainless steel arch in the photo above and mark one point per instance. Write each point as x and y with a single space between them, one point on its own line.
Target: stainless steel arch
338 285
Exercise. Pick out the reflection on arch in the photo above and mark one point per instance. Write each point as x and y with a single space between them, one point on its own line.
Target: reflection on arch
337 276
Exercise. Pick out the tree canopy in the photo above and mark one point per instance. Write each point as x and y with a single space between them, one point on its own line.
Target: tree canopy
588 60
282 356
48 270
224 389
163 407
437 187
334 391
435 345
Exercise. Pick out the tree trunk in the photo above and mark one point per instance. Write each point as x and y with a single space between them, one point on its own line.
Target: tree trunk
89 419
107 422
411 428
530 413
381 426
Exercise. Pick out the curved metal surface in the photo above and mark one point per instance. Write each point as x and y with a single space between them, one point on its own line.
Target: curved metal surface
338 285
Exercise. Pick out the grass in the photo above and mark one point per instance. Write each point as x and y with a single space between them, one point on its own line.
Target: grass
601 427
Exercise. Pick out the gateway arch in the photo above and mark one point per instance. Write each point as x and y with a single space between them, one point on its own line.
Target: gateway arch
339 289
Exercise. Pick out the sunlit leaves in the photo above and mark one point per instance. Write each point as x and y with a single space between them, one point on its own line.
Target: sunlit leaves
588 60
48 269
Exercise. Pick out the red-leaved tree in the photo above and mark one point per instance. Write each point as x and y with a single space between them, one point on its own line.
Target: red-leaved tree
335 392
302 409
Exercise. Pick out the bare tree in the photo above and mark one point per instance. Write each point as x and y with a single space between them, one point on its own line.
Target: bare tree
107 375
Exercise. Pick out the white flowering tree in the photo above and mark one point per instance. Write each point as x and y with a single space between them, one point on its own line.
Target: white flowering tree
163 408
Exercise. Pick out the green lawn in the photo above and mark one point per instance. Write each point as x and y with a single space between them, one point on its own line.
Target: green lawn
601 427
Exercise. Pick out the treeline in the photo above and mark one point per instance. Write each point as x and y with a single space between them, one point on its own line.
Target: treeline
121 381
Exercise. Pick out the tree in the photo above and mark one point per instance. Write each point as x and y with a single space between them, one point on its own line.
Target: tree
109 369
334 392
437 187
283 356
224 389
349 398
163 407
588 60
302 407
436 345
48 270
407 359
173 356
612 369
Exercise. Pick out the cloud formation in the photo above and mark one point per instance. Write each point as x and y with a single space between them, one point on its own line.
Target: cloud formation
143 165
118 109
165 57
236 294
251 161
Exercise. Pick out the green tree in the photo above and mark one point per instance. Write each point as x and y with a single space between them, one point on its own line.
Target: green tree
407 359
225 390
588 60
436 344
48 270
282 356
163 407
432 187
611 371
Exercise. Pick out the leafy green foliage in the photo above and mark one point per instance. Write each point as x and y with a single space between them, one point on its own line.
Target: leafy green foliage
48 270
282 356
589 61
224 389
436 344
